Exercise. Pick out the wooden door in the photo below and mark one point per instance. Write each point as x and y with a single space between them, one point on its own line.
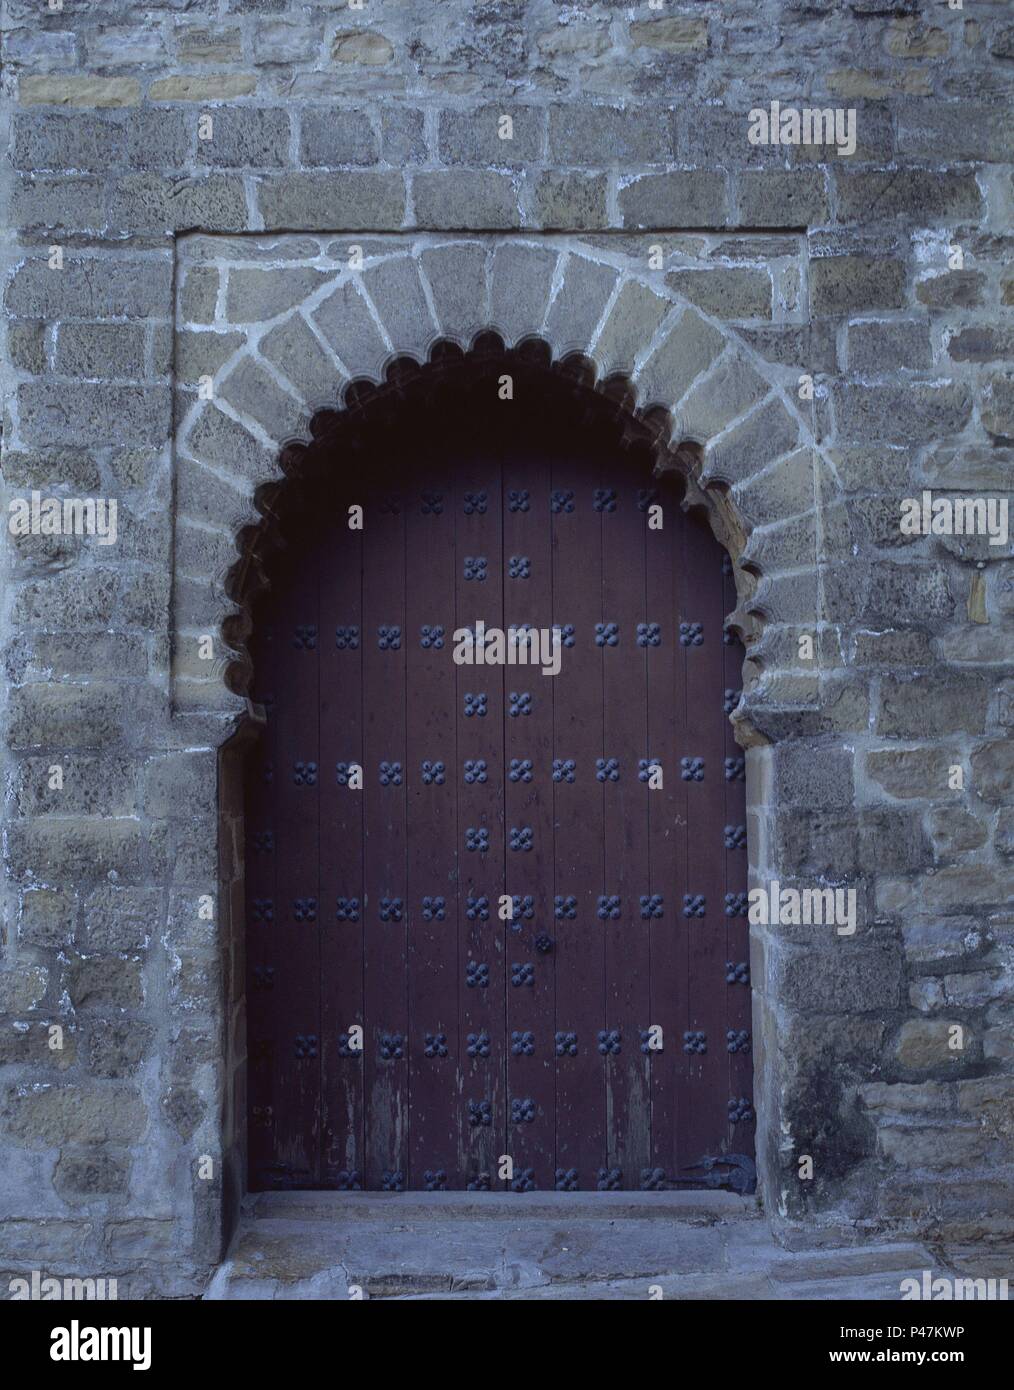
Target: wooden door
532 911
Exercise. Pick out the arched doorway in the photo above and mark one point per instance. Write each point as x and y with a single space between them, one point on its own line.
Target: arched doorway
524 935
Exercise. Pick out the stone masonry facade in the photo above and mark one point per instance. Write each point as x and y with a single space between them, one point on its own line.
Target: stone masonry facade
222 213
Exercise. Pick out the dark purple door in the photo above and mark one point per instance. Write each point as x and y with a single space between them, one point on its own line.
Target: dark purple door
524 936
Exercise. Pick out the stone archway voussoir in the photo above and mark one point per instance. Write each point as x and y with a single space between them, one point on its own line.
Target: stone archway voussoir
396 292
764 435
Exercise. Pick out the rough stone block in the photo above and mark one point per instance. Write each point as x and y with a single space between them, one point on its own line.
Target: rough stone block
72 413
216 439
919 411
688 350
22 989
207 87
465 200
730 389
845 284
47 918
766 434
808 775
912 772
591 136
65 204
522 276
104 982
255 295
149 202
571 201
727 293
982 342
954 289
844 976
997 407
367 201
64 90
122 919
917 195
402 136
924 1045
245 137
782 198
93 287
473 137
51 1116
878 347
683 198
117 1047
100 350
347 324
397 294
457 280
295 350
253 392
925 706
333 138
993 771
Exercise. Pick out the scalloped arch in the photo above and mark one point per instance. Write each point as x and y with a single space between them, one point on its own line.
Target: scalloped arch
675 382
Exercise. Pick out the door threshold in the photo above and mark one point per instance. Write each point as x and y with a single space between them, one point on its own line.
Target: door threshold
695 1207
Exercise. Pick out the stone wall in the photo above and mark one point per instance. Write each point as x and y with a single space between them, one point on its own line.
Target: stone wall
629 218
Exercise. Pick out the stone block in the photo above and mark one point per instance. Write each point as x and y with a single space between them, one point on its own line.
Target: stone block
782 198
688 350
397 294
22 989
245 137
993 771
149 202
103 982
100 350
47 918
255 295
51 1116
363 201
72 413
579 303
921 196
205 87
334 138
726 293
402 136
997 407
730 389
635 315
93 287
851 977
465 200
571 201
117 1047
122 919
927 706
682 198
767 433
457 280
591 136
254 393
473 137
846 284
72 848
882 347
954 289
917 412
293 348
64 90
